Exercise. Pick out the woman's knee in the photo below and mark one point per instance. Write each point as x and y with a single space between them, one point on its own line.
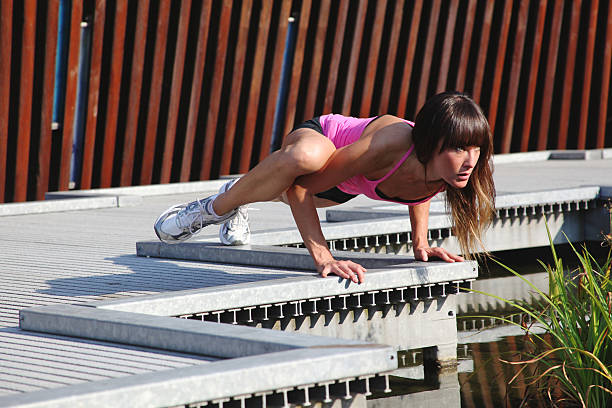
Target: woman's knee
308 156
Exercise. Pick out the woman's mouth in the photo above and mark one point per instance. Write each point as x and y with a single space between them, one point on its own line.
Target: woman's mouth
463 176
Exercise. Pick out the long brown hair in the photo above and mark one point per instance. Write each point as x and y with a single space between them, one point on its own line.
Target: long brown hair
450 120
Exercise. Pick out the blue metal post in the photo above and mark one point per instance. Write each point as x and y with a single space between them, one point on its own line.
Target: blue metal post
81 104
61 62
281 100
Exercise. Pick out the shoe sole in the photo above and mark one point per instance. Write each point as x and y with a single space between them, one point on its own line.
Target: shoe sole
171 239
237 242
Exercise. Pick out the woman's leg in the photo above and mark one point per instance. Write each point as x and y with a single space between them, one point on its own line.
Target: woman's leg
304 151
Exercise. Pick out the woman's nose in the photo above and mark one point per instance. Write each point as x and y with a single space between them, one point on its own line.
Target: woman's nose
472 157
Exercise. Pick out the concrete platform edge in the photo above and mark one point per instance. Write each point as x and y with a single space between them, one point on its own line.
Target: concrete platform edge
217 380
167 333
290 289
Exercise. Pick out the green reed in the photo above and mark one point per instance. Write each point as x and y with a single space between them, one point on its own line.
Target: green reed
575 358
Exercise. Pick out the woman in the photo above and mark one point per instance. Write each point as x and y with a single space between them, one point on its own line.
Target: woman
330 159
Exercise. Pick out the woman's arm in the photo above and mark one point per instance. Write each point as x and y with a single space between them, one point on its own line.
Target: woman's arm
419 219
357 158
307 220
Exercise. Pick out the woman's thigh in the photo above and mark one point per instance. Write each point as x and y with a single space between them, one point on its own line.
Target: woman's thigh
308 149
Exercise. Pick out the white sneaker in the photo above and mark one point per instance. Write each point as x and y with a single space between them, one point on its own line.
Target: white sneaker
235 231
181 222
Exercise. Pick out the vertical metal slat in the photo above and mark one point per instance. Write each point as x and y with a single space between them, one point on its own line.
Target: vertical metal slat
175 93
26 87
215 95
605 82
483 48
468 28
317 59
93 97
114 92
588 74
46 115
157 76
447 46
236 86
255 88
396 26
129 145
410 50
568 81
76 16
533 75
6 41
374 52
279 48
298 61
515 72
551 66
354 58
196 90
430 42
332 80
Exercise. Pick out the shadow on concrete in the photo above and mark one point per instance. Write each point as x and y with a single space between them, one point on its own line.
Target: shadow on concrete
155 275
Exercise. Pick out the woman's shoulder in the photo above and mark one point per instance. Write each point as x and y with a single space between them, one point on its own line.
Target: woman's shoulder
392 132
387 138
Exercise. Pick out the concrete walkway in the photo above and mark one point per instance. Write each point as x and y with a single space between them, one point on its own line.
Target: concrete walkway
85 255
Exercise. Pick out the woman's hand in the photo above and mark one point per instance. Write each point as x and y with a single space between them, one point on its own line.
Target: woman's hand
344 269
425 252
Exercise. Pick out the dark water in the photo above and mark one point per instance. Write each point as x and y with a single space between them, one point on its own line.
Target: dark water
486 346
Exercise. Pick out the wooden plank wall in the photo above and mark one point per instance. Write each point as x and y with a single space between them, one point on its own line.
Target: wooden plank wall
187 90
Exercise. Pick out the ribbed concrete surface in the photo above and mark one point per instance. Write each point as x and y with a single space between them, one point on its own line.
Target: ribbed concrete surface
80 256
32 361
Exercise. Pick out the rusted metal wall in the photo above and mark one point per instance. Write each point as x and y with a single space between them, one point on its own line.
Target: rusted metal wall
187 90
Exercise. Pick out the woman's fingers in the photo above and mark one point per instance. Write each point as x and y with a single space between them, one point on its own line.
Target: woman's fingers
423 254
457 258
344 269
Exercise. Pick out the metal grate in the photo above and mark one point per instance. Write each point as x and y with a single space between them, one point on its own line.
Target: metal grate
401 243
268 314
307 394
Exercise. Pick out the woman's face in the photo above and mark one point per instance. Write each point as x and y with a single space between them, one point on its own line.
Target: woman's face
454 165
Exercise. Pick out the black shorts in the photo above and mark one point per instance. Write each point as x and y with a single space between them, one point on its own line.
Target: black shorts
336 195
333 194
313 124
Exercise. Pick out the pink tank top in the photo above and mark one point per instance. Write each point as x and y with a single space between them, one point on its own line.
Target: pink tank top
344 130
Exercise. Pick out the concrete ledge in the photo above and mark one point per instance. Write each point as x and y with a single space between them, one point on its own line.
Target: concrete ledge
547 197
218 380
105 198
438 220
260 360
149 190
270 256
291 289
123 200
187 336
258 255
593 154
39 207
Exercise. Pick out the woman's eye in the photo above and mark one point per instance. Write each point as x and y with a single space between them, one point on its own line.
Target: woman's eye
459 149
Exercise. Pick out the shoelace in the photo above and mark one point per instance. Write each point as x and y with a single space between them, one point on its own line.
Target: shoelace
184 215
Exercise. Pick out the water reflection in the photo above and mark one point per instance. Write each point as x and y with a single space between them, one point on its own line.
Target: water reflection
481 378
